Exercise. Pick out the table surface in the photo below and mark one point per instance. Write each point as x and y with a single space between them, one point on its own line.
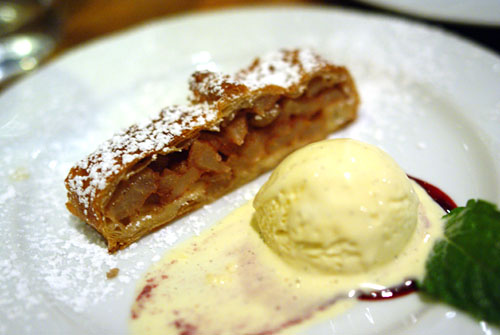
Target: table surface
85 20
88 19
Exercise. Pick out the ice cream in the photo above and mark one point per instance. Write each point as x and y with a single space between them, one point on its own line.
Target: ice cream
337 206
334 209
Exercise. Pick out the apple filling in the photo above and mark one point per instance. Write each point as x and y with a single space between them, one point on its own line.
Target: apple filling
215 162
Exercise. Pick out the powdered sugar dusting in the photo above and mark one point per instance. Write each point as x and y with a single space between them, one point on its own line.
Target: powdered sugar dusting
212 83
282 68
52 260
134 144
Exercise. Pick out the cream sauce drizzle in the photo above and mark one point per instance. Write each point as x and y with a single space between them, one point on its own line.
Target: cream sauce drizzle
227 281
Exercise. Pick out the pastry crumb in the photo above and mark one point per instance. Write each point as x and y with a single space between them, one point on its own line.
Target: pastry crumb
20 174
112 273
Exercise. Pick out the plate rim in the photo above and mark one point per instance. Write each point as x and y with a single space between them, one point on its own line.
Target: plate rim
226 12
423 14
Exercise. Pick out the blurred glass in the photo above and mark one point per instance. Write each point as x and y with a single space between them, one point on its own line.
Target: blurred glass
29 31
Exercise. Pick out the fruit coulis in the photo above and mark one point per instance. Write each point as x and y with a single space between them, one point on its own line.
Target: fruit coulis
437 194
410 285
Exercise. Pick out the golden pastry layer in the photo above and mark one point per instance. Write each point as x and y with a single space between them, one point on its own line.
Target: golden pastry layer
236 127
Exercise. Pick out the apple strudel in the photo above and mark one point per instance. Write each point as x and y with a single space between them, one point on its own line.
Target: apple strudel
235 128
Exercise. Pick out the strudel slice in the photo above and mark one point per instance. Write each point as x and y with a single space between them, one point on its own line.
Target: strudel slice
236 127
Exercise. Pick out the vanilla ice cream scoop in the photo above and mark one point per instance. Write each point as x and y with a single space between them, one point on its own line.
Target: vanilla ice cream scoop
337 206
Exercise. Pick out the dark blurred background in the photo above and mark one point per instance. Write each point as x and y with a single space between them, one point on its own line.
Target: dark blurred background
70 23
87 19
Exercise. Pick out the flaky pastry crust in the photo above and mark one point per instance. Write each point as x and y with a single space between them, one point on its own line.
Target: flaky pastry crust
236 127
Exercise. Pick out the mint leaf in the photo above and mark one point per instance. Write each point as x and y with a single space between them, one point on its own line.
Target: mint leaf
463 268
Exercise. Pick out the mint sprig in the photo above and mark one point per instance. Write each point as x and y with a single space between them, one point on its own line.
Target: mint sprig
463 268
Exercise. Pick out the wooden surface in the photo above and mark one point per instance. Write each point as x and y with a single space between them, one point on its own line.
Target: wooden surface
88 19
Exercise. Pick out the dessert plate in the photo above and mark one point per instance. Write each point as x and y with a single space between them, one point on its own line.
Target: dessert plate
428 98
484 12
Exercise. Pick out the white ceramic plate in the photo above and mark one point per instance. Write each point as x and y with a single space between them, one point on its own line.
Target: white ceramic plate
430 99
482 12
